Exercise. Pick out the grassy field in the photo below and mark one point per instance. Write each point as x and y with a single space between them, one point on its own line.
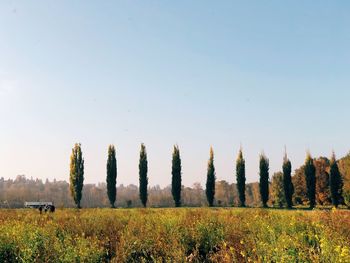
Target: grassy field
175 235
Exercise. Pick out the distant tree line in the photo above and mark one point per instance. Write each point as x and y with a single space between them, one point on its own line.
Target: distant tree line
14 192
319 181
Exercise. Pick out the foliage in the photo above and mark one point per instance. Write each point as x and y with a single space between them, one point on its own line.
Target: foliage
310 178
344 168
335 182
181 235
76 174
111 175
240 176
143 169
22 189
225 194
176 176
210 185
264 179
278 195
299 183
323 196
14 192
287 181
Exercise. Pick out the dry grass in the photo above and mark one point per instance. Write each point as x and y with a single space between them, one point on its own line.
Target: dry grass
175 235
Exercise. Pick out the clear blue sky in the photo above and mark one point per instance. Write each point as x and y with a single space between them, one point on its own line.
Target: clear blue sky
263 74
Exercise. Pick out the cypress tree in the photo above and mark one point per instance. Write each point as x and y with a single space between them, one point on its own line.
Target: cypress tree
264 179
176 176
143 169
310 178
335 182
287 181
240 176
210 185
111 175
76 176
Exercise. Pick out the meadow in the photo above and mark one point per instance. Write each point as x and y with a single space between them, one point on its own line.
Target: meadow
175 235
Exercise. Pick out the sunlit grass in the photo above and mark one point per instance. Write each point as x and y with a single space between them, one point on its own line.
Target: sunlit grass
177 235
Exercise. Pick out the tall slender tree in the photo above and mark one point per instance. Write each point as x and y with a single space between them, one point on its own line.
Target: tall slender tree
76 177
240 176
176 176
287 181
335 182
264 179
143 169
210 185
111 175
310 178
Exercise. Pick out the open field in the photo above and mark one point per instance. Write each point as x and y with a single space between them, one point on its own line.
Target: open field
175 235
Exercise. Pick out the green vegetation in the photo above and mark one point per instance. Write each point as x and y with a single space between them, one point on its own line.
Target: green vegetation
210 185
143 170
327 184
111 175
335 182
310 177
176 177
264 179
287 181
344 168
323 196
76 174
278 196
169 235
240 176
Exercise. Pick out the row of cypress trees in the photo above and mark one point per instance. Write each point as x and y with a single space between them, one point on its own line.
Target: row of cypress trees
335 181
176 177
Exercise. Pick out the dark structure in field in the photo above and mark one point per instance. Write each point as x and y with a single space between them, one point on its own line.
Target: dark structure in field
41 206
